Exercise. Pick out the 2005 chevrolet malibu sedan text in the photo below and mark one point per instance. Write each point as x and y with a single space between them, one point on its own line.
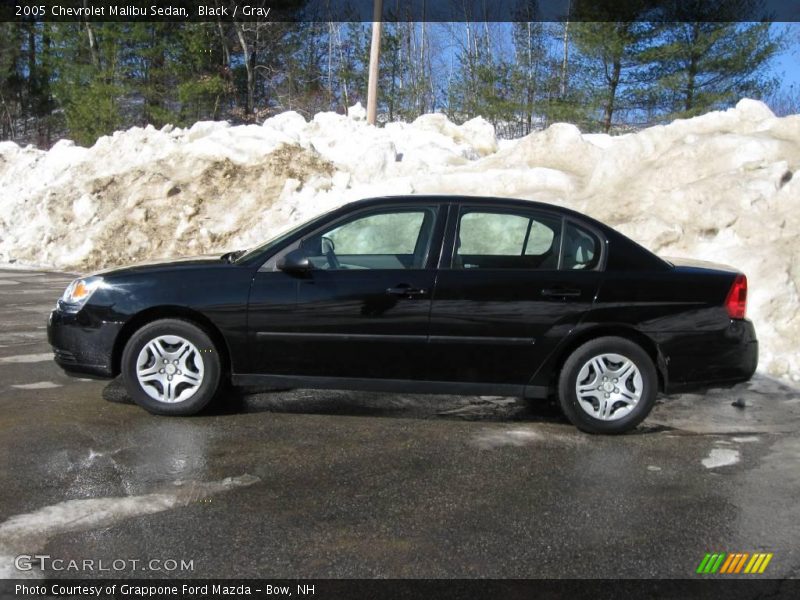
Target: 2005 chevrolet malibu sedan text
419 294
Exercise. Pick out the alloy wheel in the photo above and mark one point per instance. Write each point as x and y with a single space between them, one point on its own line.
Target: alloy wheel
170 369
609 386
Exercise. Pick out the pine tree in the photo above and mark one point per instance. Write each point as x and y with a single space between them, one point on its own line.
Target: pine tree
88 69
615 56
12 82
483 84
709 65
202 72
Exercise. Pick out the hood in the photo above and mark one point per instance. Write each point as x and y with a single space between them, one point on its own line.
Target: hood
176 263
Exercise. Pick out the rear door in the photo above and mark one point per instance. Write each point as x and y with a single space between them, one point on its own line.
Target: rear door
514 282
363 310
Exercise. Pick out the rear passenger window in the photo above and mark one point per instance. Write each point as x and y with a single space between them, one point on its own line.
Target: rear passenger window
581 248
506 240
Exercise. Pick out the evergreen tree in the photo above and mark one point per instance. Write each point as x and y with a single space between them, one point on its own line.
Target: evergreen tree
615 56
708 65
305 84
483 84
202 71
12 81
88 67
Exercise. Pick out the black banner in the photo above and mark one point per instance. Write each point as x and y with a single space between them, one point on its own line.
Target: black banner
731 588
400 10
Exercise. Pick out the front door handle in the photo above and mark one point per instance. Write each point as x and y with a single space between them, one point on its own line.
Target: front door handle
560 292
406 291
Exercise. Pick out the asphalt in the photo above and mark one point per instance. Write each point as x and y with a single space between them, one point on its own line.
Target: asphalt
336 484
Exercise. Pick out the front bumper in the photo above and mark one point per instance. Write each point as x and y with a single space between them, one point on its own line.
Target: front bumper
710 359
82 344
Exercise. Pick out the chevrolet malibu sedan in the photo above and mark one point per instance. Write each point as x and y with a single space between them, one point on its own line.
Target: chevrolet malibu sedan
459 295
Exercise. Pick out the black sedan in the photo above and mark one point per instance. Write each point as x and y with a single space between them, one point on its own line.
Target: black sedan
419 294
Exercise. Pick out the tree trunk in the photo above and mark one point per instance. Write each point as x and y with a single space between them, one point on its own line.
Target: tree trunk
692 70
248 65
565 61
29 106
226 52
613 84
93 49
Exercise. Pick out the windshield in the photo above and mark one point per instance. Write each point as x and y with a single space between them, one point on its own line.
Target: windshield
280 238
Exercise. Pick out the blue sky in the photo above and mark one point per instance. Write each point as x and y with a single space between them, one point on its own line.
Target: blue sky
787 65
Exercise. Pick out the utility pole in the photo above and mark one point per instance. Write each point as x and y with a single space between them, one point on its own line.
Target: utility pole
565 62
374 63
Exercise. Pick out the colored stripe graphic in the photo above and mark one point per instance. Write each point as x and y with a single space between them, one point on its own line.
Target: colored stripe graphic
711 563
703 563
764 564
727 564
719 562
740 564
754 564
734 563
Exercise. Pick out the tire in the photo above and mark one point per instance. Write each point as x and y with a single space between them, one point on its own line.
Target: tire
614 404
186 382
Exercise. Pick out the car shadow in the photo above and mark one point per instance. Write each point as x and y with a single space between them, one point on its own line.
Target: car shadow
375 404
235 401
232 400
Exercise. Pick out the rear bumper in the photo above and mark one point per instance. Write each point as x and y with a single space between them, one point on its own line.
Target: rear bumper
82 345
705 359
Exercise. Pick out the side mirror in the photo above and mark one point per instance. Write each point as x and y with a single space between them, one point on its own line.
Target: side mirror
295 261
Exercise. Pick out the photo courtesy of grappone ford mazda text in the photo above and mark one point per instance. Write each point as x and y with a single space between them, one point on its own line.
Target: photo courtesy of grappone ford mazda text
430 294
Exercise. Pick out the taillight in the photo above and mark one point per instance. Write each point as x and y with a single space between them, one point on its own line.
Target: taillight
736 302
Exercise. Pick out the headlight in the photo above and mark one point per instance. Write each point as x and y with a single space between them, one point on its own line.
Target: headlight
80 290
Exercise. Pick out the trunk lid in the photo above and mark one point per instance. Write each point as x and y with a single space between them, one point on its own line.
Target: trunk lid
690 264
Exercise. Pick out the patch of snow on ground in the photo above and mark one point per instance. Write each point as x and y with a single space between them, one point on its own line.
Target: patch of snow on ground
30 531
39 385
720 457
718 187
507 437
27 358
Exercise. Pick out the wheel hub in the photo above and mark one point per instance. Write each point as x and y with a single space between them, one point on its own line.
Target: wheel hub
609 386
170 369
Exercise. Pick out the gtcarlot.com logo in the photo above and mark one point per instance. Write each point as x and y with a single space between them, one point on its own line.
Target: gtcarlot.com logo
734 563
45 562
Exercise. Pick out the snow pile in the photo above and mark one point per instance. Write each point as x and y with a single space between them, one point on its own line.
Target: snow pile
718 187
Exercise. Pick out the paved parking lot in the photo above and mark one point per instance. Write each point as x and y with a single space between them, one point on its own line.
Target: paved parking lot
335 484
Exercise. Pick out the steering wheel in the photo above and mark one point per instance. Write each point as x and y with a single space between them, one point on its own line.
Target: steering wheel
328 248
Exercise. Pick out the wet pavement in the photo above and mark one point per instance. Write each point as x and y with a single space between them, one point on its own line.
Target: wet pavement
339 484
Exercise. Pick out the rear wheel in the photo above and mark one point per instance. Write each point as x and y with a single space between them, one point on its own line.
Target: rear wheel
171 367
608 385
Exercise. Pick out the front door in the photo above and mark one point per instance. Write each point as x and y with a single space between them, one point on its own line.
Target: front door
363 310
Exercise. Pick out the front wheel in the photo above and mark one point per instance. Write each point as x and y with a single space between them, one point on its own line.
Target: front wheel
171 367
608 385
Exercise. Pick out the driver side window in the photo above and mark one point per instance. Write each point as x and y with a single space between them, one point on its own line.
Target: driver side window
396 239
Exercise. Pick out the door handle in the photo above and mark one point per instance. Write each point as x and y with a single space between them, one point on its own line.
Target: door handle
561 292
406 290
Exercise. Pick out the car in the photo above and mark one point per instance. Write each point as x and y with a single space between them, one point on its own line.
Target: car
419 294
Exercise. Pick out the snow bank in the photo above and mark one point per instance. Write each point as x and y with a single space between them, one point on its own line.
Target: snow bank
717 187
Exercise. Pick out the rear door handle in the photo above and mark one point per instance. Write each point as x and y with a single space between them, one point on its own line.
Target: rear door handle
406 290
561 292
